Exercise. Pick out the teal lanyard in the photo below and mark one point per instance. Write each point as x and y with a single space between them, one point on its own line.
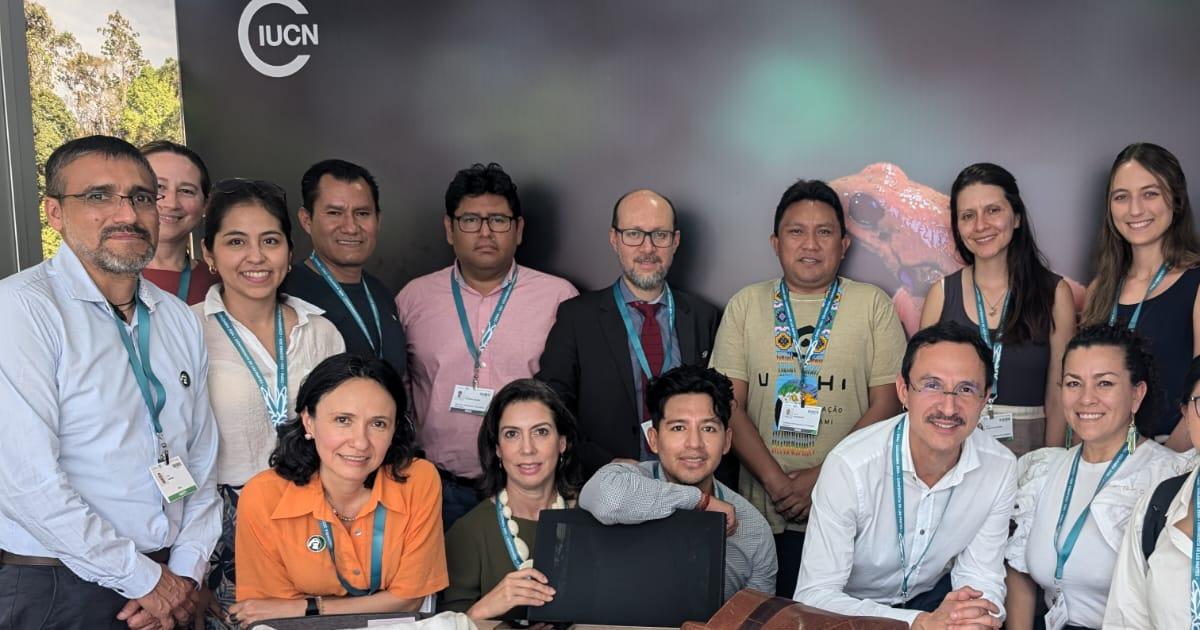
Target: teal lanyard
824 321
898 496
1064 551
1137 312
486 338
986 334
341 293
277 401
185 279
635 339
507 536
1195 587
376 554
153 392
716 486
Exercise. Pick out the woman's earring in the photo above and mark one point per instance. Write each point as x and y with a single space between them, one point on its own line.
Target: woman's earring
212 269
308 436
1131 438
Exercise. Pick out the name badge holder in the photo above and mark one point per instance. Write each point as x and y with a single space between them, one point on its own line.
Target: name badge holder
185 279
276 401
999 426
1194 587
906 571
170 475
797 416
1057 617
376 553
1137 312
337 289
472 398
635 340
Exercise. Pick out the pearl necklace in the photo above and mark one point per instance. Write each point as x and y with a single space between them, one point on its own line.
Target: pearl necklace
518 544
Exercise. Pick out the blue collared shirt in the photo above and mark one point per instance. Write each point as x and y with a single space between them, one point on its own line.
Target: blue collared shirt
76 441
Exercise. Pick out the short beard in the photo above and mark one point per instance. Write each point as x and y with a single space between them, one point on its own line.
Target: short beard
646 282
109 261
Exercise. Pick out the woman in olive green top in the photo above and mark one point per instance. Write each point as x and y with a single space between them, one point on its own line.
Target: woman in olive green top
527 450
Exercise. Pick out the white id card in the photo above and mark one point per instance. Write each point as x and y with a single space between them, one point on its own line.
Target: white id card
173 479
1056 618
473 400
999 426
802 418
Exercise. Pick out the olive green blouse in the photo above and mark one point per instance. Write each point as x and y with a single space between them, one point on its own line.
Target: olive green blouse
477 559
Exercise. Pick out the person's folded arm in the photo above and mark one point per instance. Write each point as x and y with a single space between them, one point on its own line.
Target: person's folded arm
622 493
828 556
37 494
981 564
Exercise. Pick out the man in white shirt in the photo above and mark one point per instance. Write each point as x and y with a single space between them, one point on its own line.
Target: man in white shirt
908 508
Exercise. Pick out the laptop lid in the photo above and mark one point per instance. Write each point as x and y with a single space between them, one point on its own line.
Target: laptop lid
659 573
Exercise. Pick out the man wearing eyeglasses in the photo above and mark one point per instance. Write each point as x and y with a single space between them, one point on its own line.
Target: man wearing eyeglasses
108 502
473 327
910 515
607 345
812 356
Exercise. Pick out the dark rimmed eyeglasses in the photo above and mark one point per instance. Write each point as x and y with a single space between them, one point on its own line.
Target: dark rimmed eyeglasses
634 237
139 200
495 222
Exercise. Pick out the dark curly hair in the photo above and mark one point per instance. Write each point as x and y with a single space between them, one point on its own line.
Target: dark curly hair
690 379
295 458
1138 361
482 180
568 475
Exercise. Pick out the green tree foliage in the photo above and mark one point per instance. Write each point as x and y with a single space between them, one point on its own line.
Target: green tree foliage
76 93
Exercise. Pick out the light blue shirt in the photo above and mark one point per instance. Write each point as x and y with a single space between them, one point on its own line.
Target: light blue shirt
76 441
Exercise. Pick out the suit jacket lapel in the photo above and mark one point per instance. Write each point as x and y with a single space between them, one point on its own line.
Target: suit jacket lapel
612 329
685 330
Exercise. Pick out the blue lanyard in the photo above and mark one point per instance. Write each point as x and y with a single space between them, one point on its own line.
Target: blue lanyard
507 536
1195 586
1137 312
1064 551
898 495
185 279
986 334
635 339
153 392
486 338
716 486
376 553
824 320
277 401
341 293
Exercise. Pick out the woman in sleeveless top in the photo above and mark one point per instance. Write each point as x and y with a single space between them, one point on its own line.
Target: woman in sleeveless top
1007 292
1146 271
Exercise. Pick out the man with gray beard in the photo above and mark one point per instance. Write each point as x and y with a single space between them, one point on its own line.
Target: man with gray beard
607 345
108 505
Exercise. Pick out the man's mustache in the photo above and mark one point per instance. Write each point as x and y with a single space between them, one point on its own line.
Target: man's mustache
127 228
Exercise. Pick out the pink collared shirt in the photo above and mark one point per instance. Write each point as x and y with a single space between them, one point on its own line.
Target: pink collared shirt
438 358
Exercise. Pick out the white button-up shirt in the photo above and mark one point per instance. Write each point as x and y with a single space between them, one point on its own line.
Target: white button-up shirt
1153 594
851 560
76 441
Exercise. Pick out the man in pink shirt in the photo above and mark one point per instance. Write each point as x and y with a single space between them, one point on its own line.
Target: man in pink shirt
473 327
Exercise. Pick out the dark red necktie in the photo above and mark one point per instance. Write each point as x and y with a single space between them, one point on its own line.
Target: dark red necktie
652 342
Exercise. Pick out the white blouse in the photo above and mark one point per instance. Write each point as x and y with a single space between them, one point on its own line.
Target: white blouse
1153 594
246 434
1041 485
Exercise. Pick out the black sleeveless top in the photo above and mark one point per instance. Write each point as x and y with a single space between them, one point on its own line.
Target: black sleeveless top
1023 366
1166 323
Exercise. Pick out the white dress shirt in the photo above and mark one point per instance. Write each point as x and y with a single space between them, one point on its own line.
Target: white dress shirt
1041 484
247 435
1153 594
851 559
77 444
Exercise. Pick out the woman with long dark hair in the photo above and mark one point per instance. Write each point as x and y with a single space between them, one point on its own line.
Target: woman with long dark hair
527 451
1147 274
343 477
1073 504
1021 308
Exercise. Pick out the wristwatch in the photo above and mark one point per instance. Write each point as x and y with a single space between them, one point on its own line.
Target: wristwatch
313 608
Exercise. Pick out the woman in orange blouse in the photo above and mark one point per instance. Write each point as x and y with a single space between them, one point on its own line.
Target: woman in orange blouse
346 521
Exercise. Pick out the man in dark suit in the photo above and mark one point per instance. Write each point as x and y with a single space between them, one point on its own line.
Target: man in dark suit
606 345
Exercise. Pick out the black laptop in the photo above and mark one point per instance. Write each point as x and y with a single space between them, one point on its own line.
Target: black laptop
659 573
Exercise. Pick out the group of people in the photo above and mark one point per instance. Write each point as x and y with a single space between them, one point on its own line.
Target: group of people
307 442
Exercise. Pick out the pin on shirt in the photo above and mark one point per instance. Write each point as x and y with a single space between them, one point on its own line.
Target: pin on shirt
185 379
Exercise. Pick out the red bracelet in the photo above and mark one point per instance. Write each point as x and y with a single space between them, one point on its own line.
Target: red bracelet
704 500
